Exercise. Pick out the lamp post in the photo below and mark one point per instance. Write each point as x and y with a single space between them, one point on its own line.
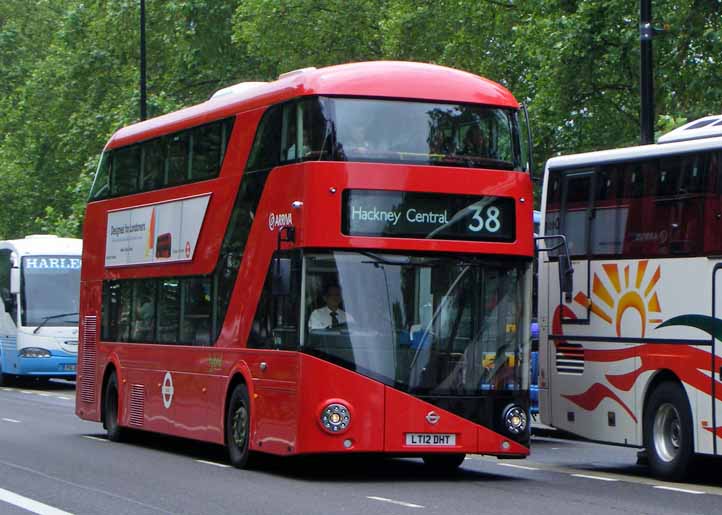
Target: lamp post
143 106
646 32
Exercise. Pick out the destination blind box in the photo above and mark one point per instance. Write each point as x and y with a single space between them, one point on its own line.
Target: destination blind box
403 214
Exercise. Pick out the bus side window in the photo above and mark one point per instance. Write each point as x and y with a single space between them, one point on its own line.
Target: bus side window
196 311
266 150
177 169
168 311
153 162
7 299
125 169
207 151
275 325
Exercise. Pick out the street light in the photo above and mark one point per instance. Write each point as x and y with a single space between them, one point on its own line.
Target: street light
143 106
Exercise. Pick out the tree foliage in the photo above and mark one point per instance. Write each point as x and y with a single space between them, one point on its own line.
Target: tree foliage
69 71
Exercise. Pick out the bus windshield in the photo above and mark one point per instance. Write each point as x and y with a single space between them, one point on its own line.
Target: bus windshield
392 131
50 287
426 325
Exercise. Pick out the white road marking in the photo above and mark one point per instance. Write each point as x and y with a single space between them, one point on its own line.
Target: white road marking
223 465
683 490
45 394
595 477
65 398
400 503
94 438
524 467
29 504
27 392
11 420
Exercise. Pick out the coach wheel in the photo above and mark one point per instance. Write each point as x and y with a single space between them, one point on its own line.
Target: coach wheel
110 410
444 462
668 432
238 427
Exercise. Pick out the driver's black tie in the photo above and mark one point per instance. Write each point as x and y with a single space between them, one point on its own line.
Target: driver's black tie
334 319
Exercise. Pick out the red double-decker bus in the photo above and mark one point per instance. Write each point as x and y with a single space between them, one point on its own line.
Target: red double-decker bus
337 261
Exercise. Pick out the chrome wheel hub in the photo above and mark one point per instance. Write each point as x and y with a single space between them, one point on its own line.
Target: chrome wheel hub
667 432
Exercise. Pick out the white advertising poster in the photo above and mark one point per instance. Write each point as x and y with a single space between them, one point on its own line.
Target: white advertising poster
159 233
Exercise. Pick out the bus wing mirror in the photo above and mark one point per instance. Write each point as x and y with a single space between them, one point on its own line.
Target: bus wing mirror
566 269
14 280
281 277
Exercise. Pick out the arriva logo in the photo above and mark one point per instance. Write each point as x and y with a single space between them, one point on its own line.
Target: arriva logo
279 220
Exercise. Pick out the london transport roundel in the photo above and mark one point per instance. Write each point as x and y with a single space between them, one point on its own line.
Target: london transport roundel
167 390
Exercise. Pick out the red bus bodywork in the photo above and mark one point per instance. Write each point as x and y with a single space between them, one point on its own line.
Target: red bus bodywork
288 389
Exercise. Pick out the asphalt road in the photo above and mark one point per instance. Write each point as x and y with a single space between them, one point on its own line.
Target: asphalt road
52 463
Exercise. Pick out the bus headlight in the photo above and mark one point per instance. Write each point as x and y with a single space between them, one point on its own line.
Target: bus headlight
34 352
335 418
515 419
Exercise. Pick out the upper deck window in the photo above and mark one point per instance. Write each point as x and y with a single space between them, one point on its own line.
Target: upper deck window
186 156
392 131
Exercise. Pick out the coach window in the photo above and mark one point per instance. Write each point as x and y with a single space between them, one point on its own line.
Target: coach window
124 170
576 193
120 311
608 217
275 325
168 311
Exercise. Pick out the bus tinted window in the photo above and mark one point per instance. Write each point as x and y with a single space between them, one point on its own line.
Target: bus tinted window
125 169
266 151
275 325
186 156
652 208
347 129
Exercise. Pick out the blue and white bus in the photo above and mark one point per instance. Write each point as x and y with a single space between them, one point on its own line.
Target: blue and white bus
39 301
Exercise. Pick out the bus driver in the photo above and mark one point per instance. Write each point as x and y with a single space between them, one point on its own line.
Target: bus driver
330 316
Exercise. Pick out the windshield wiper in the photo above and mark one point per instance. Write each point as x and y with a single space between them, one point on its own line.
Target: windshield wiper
51 317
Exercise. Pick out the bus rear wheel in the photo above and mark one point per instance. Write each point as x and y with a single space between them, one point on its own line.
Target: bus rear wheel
444 463
110 410
238 427
668 432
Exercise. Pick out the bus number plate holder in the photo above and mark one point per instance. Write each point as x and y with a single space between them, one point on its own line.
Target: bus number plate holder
431 439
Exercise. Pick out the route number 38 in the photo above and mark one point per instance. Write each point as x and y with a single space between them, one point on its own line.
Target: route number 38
488 221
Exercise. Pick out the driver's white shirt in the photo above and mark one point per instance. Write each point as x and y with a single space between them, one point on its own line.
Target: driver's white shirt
321 318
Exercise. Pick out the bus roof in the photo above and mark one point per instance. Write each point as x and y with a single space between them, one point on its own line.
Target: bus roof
44 244
380 79
634 153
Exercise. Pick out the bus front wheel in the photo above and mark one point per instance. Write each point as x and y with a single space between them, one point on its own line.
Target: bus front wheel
668 432
444 463
110 410
238 427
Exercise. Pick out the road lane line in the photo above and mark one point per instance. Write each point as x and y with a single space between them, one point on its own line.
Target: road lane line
585 476
11 420
512 465
65 398
223 465
45 394
29 504
674 489
400 503
86 488
98 439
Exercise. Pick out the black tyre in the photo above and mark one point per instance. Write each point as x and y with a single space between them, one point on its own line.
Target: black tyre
110 410
444 463
238 427
668 436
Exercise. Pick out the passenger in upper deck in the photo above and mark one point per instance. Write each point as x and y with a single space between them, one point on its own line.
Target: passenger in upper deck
474 143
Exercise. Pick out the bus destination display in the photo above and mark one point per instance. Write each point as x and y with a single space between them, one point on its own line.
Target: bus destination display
400 214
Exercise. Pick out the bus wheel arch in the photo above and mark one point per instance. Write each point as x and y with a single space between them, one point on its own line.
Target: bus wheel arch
667 427
237 421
